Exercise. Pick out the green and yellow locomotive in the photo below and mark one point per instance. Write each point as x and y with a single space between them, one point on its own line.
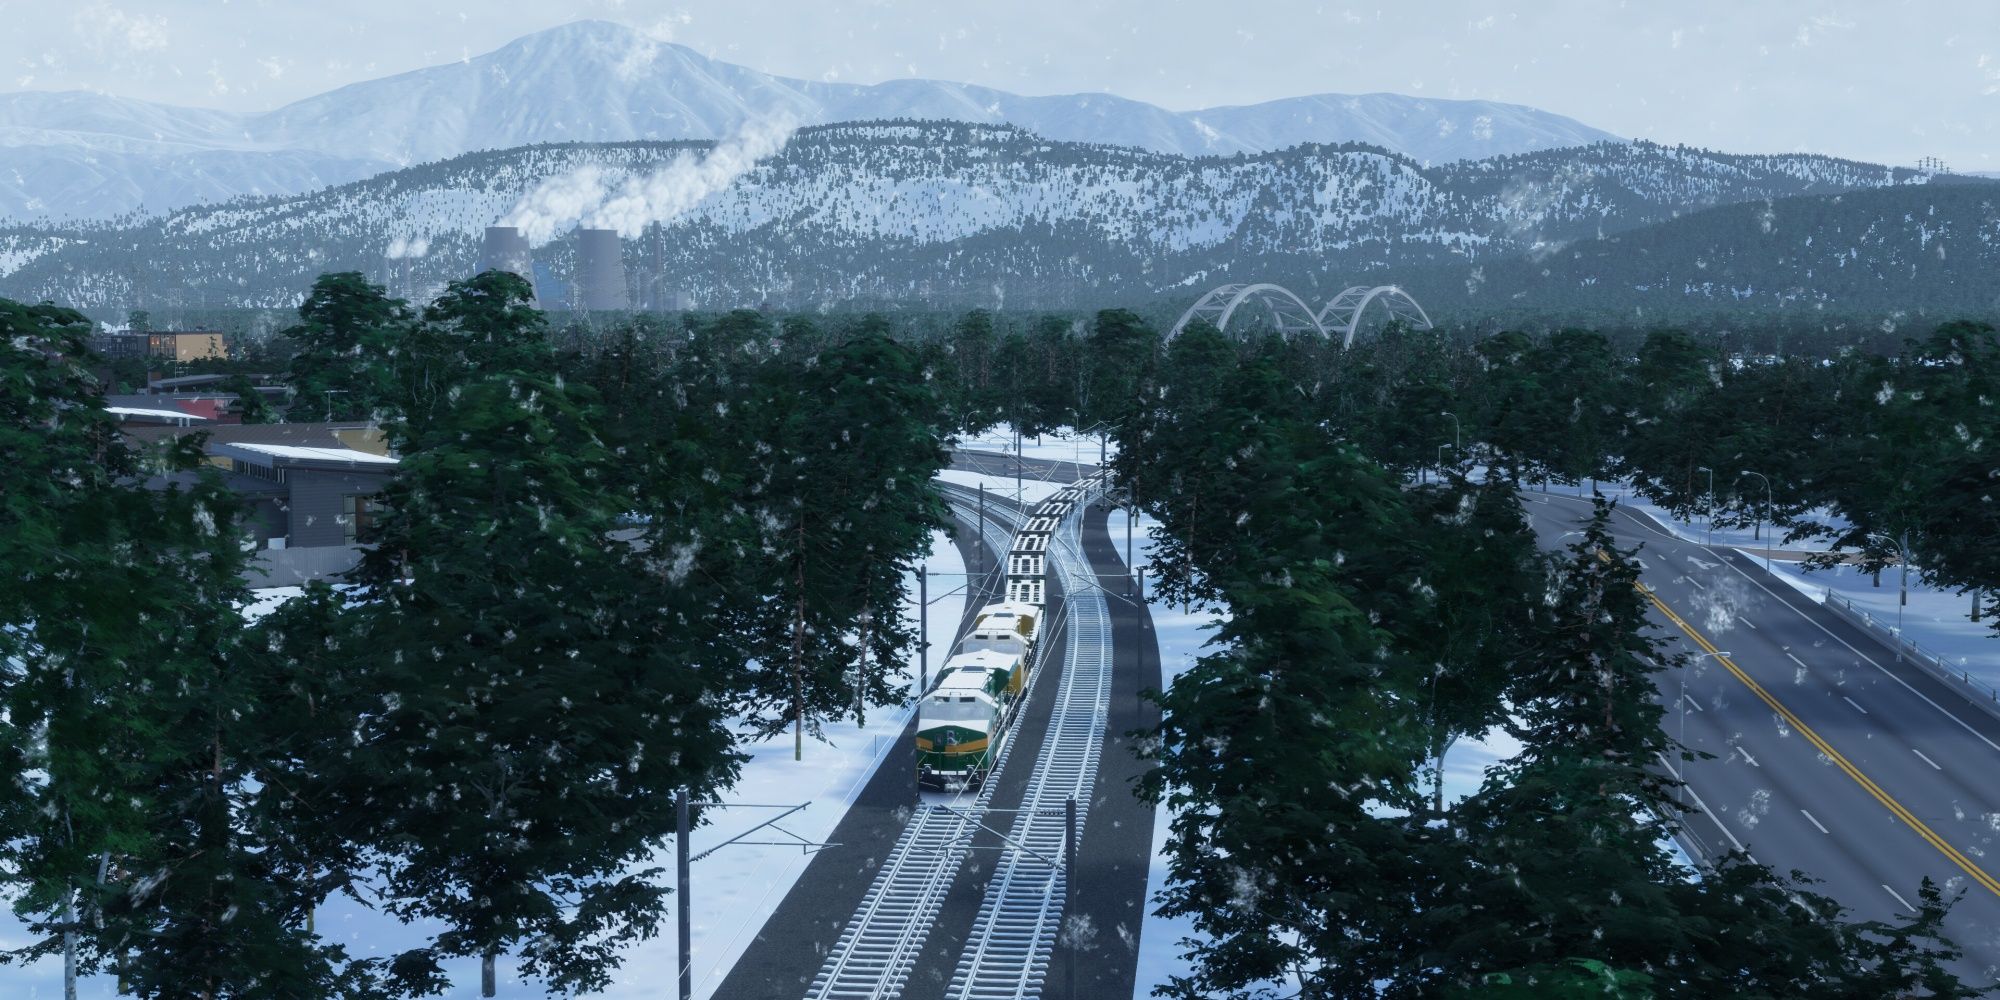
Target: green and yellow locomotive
964 718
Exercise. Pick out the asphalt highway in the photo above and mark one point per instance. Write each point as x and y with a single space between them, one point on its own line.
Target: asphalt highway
1828 757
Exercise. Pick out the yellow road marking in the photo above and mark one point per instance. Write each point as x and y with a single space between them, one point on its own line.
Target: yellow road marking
1978 874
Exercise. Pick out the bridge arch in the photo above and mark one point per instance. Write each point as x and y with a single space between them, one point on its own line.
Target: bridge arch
1289 314
1343 312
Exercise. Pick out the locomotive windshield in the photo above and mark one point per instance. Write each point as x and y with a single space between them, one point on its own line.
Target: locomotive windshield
955 708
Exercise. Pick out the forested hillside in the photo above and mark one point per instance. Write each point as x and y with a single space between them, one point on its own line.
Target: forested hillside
958 215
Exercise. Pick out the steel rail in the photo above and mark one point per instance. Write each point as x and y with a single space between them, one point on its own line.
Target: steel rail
1020 918
872 958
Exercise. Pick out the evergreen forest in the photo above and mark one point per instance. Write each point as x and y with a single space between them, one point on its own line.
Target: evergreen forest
607 545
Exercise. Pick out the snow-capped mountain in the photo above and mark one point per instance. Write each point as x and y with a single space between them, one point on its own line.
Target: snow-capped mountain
944 214
89 156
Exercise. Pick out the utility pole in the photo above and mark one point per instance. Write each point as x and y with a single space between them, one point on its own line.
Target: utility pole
1708 537
924 630
681 889
979 544
1069 889
1133 515
861 673
1017 466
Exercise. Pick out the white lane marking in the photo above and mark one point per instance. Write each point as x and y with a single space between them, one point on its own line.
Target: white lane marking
1899 898
1706 811
1817 823
1795 659
1697 705
1746 756
1871 660
1850 701
1738 570
1697 583
1746 621
1926 760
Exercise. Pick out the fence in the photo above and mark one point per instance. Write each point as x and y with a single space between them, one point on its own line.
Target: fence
1978 692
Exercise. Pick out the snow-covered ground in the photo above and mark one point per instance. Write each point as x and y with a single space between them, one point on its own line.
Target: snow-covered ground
1939 622
1062 445
737 888
1030 491
1697 529
734 890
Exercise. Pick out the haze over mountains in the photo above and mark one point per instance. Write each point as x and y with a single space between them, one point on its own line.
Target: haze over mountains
80 155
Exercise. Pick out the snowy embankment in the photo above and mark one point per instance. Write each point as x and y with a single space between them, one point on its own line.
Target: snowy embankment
737 888
1027 494
1064 444
734 890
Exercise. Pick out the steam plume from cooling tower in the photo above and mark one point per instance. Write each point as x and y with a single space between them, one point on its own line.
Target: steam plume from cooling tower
601 198
405 249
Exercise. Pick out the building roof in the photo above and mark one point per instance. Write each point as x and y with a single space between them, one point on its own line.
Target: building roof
140 411
985 659
307 453
156 398
182 381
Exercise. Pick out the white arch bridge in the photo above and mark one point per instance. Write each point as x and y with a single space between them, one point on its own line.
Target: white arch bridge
1290 316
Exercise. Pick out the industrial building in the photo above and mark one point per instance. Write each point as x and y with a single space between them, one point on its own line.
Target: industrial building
187 345
311 489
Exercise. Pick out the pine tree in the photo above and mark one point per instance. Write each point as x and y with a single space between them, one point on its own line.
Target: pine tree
842 487
1286 755
347 331
535 706
133 738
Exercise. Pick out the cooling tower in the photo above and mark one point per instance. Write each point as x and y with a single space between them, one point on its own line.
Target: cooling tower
506 249
600 272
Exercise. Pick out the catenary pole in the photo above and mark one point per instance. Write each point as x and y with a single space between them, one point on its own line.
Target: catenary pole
1069 889
686 909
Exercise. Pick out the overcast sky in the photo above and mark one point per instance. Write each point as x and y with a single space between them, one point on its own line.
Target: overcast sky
1882 80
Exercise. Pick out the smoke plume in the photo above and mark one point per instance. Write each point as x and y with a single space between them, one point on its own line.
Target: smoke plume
402 249
599 198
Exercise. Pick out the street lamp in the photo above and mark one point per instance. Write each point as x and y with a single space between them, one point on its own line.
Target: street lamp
1708 537
1455 451
1758 532
1440 464
1902 557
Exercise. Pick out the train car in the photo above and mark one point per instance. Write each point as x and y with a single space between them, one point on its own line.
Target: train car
1027 568
962 721
1006 628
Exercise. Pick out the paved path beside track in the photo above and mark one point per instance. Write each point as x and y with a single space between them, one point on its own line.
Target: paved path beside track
781 962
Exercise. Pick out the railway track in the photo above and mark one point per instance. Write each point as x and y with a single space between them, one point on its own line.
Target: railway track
1020 918
873 956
